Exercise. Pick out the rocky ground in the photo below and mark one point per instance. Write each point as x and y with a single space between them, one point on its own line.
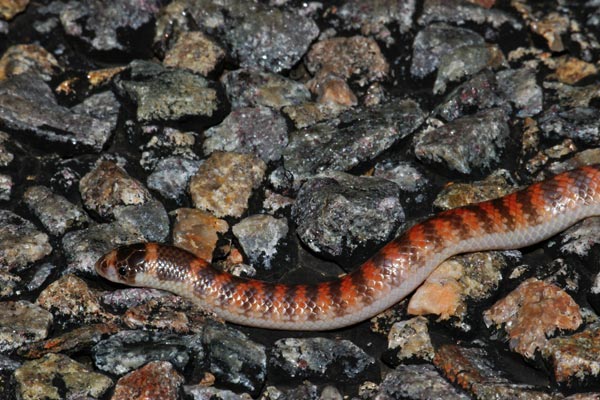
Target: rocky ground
288 141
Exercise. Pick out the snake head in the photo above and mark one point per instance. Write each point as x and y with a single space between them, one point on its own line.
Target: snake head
121 265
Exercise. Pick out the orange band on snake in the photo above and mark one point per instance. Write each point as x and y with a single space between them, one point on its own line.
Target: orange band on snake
517 220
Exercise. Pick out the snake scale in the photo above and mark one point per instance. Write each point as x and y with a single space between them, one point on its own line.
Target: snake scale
517 220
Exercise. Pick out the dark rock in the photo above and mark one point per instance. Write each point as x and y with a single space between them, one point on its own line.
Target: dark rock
579 123
150 219
338 212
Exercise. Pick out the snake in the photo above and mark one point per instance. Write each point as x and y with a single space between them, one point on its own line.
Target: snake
517 220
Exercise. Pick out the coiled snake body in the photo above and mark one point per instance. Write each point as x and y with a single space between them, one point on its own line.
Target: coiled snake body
516 220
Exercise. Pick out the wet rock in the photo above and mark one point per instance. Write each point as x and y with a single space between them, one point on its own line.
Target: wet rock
354 137
10 8
6 185
474 370
22 322
108 186
466 61
417 382
347 57
150 219
259 131
309 113
338 212
197 231
32 58
20 242
168 95
480 140
478 93
457 282
581 237
127 350
320 359
199 392
171 313
460 11
520 87
434 42
579 123
71 298
235 360
533 312
375 17
251 88
171 176
54 376
98 23
409 340
224 182
157 380
28 106
259 235
84 247
269 38
497 184
55 212
574 359
196 52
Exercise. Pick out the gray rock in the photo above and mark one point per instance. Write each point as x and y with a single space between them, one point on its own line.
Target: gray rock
579 123
171 177
520 87
459 11
465 143
259 235
6 185
150 218
20 242
22 322
338 212
28 106
201 392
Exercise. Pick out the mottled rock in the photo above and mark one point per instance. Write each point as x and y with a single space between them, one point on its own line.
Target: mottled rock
259 235
167 144
481 138
84 247
347 57
320 359
409 339
466 61
28 106
6 185
196 52
580 123
234 359
199 392
97 23
275 202
416 382
127 350
460 11
8 284
435 41
70 297
21 323
269 38
23 58
108 186
580 238
55 212
251 88
574 358
197 231
404 174
258 130
473 369
6 156
170 313
375 17
305 391
168 95
571 70
354 137
123 299
331 89
520 87
309 113
10 8
150 219
224 182
20 242
155 380
448 290
338 212
533 312
171 177
55 375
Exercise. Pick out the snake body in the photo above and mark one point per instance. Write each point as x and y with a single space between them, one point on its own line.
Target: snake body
513 221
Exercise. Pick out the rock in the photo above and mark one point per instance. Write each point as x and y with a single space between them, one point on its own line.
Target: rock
10 8
168 144
460 11
170 313
150 219
224 182
171 177
21 323
579 123
20 242
6 185
23 58
259 235
197 231
309 113
199 392
157 379
408 340
404 174
196 52
520 87
338 212
55 375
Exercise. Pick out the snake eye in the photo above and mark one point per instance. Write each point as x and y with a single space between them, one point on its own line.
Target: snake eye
122 271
